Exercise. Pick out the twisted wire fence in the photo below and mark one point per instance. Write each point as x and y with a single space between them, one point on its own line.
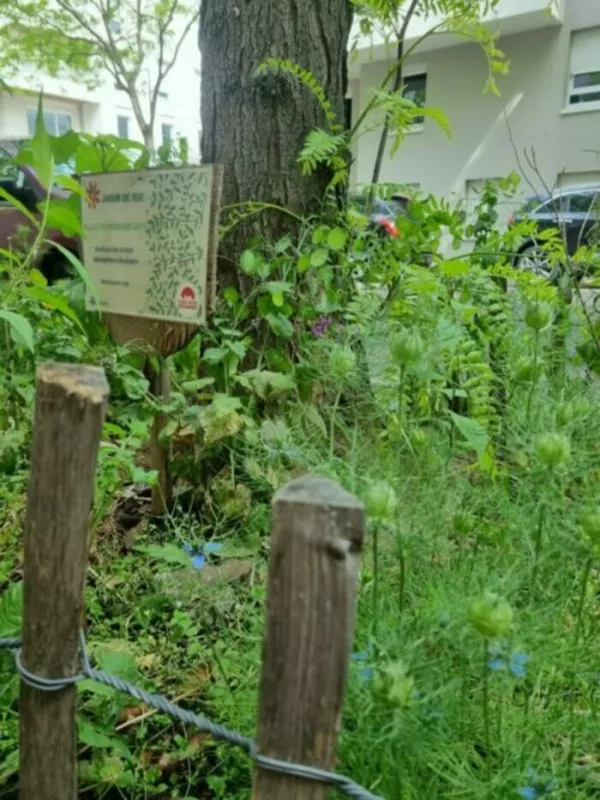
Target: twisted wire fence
219 732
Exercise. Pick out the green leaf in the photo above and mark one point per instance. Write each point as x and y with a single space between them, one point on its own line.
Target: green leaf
19 206
95 737
454 268
53 300
214 355
167 553
303 263
337 239
37 278
63 219
78 267
197 385
239 349
473 432
20 329
280 325
248 262
319 257
231 295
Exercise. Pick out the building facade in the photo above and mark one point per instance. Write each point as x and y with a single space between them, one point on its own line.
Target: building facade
107 110
549 105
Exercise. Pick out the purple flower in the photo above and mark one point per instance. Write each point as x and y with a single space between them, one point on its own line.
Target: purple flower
321 327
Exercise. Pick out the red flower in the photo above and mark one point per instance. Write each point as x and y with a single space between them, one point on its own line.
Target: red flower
93 194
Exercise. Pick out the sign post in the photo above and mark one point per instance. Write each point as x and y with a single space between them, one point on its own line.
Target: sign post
150 250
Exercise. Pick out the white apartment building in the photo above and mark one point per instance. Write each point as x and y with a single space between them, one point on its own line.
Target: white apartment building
550 102
107 110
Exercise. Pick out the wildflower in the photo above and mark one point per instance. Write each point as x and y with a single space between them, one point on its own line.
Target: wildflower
366 672
198 556
516 664
321 327
536 787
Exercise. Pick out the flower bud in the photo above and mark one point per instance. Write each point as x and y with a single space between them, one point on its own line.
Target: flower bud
396 686
491 616
381 501
418 437
564 414
552 449
342 363
590 526
407 347
538 316
525 369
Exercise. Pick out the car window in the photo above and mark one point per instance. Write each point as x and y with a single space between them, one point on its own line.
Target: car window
399 205
581 203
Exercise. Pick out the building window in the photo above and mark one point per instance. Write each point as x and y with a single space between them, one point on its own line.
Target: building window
415 89
348 113
123 127
164 95
584 77
167 134
55 122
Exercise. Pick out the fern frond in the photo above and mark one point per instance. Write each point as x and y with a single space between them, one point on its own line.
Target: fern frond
308 80
322 148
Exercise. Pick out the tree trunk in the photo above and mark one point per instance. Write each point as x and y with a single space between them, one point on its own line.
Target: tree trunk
255 126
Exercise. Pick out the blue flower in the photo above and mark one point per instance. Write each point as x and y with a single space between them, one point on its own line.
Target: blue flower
516 664
365 673
198 555
536 788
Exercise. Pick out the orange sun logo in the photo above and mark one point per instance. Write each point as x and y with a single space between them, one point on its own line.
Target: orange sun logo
93 195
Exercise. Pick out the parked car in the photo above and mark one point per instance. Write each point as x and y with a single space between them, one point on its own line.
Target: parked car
383 215
574 211
16 231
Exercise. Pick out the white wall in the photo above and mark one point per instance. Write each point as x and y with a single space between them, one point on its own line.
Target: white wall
531 111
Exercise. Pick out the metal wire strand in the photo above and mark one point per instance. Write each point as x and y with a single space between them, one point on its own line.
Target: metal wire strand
160 703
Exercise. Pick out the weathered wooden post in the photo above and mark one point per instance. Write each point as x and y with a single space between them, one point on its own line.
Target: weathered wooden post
69 413
317 536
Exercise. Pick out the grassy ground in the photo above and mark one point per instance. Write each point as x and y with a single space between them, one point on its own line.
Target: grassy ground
475 671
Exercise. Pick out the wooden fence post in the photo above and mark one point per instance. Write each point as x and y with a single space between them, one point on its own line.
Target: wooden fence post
316 540
69 413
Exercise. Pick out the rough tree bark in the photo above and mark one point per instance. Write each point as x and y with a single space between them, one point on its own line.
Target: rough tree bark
255 126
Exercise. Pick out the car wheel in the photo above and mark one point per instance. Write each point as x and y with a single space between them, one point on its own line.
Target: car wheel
533 259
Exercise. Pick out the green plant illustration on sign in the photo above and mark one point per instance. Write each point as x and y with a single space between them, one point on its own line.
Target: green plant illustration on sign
178 209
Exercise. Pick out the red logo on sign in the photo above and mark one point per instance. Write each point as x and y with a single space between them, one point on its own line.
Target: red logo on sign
93 195
187 299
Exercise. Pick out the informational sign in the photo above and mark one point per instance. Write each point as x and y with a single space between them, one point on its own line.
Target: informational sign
147 243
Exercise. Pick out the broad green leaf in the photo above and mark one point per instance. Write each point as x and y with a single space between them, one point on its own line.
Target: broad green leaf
337 239
95 737
239 349
53 300
454 267
63 219
303 263
231 295
20 329
319 257
37 278
214 355
69 183
473 432
248 262
280 325
197 385
167 553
